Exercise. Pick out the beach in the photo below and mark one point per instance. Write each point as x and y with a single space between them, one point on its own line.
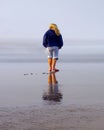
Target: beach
22 106
52 117
24 86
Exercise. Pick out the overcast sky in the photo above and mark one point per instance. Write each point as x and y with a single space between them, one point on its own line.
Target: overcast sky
76 19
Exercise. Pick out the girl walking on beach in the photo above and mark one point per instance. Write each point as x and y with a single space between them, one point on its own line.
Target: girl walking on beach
52 41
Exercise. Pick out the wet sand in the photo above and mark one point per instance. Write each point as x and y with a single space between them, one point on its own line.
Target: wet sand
23 108
52 117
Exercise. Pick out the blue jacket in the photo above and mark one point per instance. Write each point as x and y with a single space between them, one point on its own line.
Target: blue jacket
50 39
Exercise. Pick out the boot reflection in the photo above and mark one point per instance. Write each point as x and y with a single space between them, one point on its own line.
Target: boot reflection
53 93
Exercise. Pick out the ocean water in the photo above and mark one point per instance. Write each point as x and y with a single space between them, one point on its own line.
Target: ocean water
21 52
83 51
72 51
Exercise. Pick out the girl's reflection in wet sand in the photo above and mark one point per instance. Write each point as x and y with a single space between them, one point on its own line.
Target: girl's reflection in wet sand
53 93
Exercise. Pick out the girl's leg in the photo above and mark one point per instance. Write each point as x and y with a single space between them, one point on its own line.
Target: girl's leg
55 58
54 61
50 64
50 55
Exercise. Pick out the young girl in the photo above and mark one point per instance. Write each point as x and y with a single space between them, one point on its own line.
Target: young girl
52 41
